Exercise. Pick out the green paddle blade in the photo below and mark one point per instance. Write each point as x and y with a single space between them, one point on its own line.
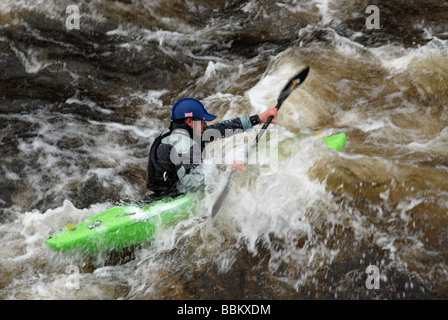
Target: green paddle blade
336 142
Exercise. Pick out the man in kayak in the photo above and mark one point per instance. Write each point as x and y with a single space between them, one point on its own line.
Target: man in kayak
176 154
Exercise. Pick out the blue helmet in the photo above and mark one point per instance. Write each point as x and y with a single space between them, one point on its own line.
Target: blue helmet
190 108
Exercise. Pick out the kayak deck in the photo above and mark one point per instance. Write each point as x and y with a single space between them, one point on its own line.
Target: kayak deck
121 226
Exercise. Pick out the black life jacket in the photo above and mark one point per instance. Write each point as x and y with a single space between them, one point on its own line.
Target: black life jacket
159 180
153 182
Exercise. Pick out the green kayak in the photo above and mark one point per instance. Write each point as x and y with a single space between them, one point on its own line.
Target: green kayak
124 226
121 226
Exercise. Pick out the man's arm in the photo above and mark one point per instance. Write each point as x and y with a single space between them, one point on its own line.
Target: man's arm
243 123
190 154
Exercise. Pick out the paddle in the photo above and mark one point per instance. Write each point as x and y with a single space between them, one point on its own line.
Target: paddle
284 94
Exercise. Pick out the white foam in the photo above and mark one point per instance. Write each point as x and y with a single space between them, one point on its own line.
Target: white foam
397 58
10 175
280 205
328 15
261 95
30 59
8 6
436 145
89 103
212 69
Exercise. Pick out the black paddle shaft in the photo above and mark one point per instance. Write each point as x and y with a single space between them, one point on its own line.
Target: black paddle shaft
290 86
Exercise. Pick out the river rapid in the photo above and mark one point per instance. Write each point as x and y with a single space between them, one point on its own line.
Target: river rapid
80 107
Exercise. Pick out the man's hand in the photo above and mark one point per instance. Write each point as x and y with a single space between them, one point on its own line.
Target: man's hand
237 166
265 115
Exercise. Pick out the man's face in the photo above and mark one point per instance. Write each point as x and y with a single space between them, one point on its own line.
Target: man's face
197 125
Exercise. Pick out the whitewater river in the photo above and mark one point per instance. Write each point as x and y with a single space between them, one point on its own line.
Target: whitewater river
85 90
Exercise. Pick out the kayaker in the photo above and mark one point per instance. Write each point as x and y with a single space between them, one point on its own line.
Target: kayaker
176 154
